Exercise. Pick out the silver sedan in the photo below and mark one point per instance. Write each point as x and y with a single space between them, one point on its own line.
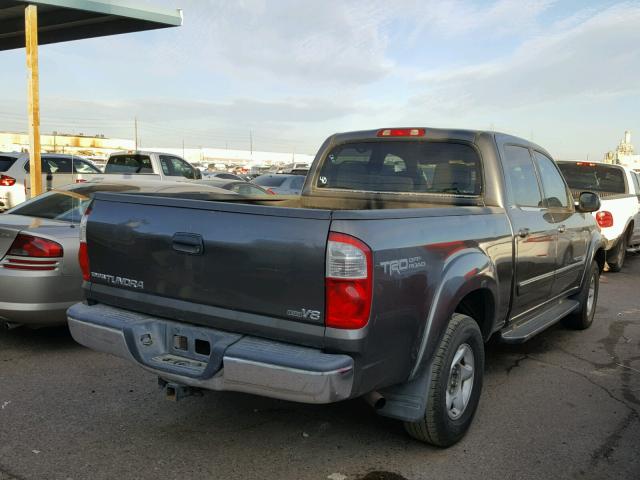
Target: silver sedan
39 273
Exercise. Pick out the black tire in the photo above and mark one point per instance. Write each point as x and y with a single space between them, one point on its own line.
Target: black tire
583 318
437 427
618 254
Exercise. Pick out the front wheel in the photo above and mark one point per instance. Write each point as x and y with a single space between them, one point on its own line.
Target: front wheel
456 382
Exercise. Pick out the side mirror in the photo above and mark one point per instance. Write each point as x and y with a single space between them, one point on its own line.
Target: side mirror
588 202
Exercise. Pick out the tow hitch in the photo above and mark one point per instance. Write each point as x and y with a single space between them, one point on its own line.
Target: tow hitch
176 391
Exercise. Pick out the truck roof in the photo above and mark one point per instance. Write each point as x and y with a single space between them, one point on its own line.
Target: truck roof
466 135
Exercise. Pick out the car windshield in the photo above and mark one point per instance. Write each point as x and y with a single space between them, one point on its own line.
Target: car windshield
590 176
6 162
270 180
64 205
415 167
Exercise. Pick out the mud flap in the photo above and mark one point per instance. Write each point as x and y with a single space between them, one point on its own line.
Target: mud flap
408 401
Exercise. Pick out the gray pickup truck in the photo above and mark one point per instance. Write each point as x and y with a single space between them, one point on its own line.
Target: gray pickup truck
406 251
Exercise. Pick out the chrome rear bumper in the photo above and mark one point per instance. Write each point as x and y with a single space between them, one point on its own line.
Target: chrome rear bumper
246 364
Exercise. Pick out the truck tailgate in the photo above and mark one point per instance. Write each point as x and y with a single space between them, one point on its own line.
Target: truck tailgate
260 260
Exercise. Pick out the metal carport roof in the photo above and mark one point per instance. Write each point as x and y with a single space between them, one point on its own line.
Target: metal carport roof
64 20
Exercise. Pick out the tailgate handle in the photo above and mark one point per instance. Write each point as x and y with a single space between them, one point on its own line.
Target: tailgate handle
190 243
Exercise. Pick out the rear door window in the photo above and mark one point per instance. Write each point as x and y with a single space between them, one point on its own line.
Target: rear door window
415 167
129 164
52 164
58 164
6 162
594 177
521 177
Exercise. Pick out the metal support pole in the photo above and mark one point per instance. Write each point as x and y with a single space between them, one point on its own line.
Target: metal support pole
33 98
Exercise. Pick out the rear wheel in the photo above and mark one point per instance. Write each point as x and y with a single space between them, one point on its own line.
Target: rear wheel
588 298
619 254
456 382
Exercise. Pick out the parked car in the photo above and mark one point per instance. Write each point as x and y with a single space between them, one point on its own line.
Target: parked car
224 175
407 250
237 186
619 214
283 184
39 273
57 170
163 166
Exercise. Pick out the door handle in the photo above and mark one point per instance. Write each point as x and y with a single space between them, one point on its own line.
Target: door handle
523 232
190 243
562 228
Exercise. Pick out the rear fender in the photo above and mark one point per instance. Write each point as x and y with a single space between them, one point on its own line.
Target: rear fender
466 272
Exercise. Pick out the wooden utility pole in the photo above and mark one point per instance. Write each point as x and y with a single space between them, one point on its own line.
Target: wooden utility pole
33 98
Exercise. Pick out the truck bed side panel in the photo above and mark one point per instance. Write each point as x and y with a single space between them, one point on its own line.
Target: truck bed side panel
412 259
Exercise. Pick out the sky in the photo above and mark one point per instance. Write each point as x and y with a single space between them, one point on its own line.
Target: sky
286 74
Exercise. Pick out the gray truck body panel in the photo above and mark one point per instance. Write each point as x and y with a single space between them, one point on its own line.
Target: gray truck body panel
254 267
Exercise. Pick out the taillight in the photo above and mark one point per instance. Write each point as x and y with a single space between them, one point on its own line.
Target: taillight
83 253
401 132
348 282
604 219
34 253
7 181
30 246
270 192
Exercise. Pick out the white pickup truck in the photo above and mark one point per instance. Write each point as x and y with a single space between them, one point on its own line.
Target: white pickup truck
619 214
161 166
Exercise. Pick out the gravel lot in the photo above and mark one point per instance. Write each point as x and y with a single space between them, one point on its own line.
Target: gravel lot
565 405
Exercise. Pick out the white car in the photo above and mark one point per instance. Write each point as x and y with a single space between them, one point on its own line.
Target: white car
57 170
619 214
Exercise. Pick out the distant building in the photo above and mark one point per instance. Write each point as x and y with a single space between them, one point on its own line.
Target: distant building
623 154
84 145
98 148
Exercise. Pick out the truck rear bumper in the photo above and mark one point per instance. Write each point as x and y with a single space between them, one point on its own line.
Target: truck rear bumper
234 362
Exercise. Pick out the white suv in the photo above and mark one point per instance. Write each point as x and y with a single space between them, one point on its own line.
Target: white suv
57 170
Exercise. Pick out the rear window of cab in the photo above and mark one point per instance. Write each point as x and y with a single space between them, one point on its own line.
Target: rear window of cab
403 167
129 164
594 177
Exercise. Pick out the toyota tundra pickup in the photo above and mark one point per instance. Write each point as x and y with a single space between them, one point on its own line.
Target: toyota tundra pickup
406 251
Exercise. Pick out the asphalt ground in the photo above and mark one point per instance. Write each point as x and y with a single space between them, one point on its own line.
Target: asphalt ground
564 405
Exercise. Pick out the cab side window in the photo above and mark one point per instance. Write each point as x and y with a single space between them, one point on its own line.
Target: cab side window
182 168
521 177
165 164
555 189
